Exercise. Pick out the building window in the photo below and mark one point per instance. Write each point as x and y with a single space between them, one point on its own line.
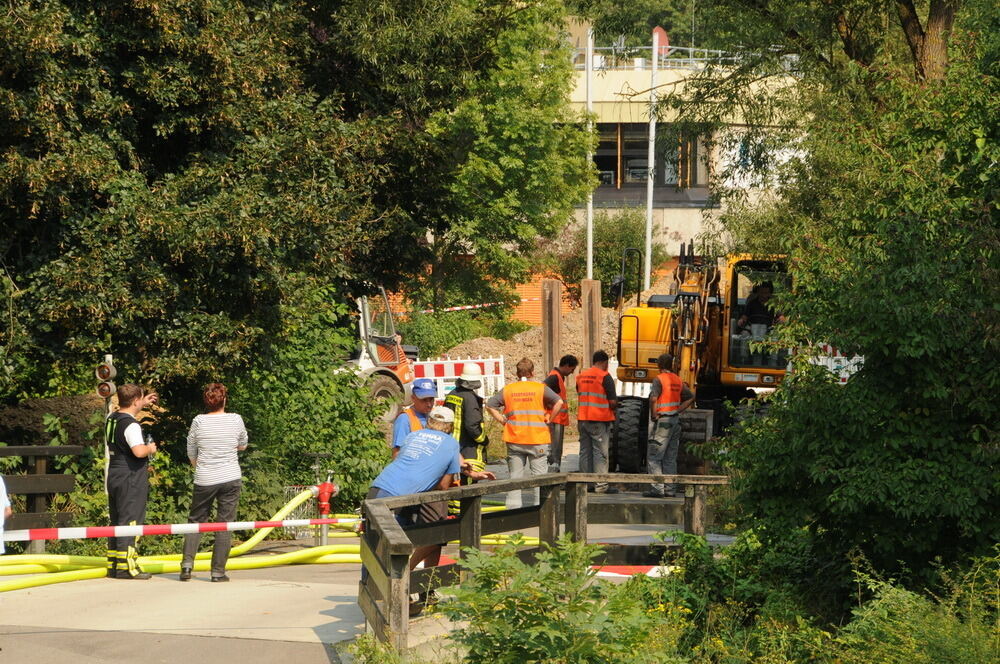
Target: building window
622 161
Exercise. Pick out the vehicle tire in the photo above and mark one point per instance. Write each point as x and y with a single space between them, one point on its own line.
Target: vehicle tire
631 435
387 390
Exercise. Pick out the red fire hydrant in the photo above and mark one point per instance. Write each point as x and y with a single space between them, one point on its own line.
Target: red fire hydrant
325 491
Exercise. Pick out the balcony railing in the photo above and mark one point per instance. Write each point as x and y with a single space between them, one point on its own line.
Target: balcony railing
613 58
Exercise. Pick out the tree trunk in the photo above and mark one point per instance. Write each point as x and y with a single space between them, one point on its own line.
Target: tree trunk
929 47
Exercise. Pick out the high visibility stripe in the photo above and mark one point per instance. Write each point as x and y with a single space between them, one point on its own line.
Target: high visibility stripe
512 413
599 395
415 423
669 399
595 404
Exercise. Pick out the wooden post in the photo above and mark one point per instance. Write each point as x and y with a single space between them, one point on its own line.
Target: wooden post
576 510
37 503
398 603
548 516
551 324
590 297
694 508
470 526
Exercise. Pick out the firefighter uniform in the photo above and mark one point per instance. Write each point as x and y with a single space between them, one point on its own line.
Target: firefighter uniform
128 489
559 421
468 407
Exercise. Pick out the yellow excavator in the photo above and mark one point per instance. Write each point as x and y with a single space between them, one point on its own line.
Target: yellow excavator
715 322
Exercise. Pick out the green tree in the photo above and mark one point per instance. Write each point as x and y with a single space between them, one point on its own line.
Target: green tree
871 133
613 234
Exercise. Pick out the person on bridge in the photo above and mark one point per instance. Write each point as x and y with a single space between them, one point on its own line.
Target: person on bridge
556 381
128 477
428 460
526 405
595 416
669 396
213 443
468 408
414 418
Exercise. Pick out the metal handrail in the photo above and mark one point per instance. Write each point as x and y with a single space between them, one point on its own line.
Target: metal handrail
612 58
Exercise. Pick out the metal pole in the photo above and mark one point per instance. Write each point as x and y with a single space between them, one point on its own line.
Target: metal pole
589 68
651 175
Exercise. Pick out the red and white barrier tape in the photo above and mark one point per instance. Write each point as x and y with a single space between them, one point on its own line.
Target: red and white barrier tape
90 532
448 368
465 307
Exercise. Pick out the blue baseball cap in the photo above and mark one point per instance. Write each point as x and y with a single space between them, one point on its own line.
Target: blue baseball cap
423 388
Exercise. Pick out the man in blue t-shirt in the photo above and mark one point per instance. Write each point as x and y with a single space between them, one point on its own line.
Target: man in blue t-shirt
428 460
414 418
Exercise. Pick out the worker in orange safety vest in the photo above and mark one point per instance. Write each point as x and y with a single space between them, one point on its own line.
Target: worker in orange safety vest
596 391
669 396
414 418
556 381
523 408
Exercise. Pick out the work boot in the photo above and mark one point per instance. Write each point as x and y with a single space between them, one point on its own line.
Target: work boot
653 494
186 574
612 490
138 576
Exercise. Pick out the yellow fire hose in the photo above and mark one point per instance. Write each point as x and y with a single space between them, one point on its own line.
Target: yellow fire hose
48 569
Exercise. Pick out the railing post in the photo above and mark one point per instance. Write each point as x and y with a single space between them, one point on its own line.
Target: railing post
694 508
470 526
576 510
398 601
548 516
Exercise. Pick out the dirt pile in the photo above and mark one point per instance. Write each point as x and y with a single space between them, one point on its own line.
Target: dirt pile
23 424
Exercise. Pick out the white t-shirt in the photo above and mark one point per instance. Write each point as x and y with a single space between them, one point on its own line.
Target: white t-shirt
4 504
133 435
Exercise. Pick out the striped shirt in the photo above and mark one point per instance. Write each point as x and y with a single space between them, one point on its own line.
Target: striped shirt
212 442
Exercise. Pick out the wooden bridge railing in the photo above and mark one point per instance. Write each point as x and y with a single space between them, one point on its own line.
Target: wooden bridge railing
386 547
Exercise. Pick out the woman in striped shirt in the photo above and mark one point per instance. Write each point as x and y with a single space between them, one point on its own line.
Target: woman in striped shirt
212 445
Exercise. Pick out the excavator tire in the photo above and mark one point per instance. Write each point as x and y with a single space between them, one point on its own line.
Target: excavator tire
631 434
386 389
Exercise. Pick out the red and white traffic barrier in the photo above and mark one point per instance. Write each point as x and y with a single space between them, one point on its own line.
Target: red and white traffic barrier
446 370
91 532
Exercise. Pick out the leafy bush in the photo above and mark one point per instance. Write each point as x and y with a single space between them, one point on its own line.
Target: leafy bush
554 611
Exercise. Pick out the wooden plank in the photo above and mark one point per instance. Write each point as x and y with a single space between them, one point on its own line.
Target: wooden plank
470 526
551 324
383 521
477 489
40 450
433 533
625 478
22 520
398 601
373 615
378 576
576 511
590 298
429 578
32 484
509 520
548 514
695 501
528 555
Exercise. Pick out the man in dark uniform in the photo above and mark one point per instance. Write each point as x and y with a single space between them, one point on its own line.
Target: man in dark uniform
468 407
128 477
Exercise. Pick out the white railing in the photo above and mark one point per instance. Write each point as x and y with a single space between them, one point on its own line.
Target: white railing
640 58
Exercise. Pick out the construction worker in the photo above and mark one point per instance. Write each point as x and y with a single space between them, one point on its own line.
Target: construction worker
669 396
526 405
556 381
595 416
414 417
468 408
128 477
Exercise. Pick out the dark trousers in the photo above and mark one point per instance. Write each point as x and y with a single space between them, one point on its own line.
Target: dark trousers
556 432
127 493
226 497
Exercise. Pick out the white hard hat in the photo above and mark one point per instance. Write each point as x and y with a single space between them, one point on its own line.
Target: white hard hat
442 414
471 372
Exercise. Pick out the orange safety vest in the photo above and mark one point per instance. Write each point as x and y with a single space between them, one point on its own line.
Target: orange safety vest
669 399
524 407
415 423
562 417
594 404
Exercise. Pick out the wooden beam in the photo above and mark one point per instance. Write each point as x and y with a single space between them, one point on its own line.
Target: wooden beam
507 521
22 520
384 522
378 576
629 478
576 511
470 526
694 509
34 484
590 297
429 578
441 532
398 604
373 614
40 450
548 514
551 324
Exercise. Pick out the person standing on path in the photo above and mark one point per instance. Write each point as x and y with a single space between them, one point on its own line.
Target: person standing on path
468 408
213 442
414 417
596 391
5 509
526 405
669 396
556 381
128 477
